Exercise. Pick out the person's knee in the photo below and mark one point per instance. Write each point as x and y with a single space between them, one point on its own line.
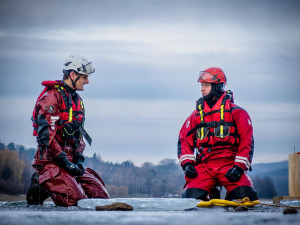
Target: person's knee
242 192
62 199
99 192
197 193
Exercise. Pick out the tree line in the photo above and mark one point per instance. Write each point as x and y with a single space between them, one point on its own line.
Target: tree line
166 179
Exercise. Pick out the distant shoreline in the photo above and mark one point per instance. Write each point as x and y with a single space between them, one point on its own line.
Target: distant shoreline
12 198
9 198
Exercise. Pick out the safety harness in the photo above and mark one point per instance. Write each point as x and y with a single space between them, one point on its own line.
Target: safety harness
214 128
67 124
221 126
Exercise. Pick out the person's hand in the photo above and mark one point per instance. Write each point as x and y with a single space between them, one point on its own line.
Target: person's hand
234 174
81 146
79 159
190 170
71 168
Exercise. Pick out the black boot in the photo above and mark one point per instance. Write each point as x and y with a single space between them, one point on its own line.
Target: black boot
215 193
242 192
36 194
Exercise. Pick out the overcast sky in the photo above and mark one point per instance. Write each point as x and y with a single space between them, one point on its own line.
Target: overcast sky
147 56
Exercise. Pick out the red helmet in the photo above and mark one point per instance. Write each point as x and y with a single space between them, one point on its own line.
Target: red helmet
212 75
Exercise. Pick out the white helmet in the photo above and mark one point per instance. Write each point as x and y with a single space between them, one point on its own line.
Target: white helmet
79 64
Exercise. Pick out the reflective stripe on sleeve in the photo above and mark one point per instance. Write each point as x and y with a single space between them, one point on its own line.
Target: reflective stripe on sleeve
53 120
243 160
187 157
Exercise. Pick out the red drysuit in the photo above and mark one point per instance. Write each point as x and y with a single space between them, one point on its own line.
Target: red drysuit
213 140
56 106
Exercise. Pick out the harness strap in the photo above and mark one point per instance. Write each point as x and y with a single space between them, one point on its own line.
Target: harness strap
222 120
68 103
201 121
216 111
70 109
218 144
201 114
208 125
85 135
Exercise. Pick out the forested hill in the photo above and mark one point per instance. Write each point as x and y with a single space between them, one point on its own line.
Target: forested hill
165 179
267 168
277 172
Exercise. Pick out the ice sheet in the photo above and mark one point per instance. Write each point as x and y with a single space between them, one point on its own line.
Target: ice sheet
145 204
19 213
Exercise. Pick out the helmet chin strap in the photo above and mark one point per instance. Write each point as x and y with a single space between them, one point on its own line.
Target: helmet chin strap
74 82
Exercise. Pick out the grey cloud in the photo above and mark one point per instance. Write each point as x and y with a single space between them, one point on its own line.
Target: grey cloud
18 14
257 74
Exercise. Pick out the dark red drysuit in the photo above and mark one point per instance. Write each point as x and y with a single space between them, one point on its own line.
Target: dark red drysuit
57 105
214 140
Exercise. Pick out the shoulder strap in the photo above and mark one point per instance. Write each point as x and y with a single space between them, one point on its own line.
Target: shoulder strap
229 95
199 103
67 100
200 121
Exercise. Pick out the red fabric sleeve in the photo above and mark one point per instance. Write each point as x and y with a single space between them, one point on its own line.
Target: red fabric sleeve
48 106
186 142
243 122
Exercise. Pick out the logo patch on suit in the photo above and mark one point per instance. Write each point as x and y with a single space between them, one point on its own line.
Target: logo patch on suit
187 124
50 109
249 122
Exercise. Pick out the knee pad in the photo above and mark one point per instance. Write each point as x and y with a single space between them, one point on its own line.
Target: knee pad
242 192
197 193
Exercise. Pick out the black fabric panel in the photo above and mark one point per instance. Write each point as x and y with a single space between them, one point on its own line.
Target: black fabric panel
242 192
179 147
236 107
43 130
197 193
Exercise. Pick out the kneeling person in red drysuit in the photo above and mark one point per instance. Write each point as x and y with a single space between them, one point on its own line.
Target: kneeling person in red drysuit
58 120
216 145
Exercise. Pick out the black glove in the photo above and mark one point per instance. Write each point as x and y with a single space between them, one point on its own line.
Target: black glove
79 159
234 174
189 170
71 168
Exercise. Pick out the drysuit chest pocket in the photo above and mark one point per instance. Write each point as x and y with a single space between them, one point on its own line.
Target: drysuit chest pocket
221 133
202 134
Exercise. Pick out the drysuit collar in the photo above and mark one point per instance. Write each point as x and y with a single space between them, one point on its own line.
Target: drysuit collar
68 88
